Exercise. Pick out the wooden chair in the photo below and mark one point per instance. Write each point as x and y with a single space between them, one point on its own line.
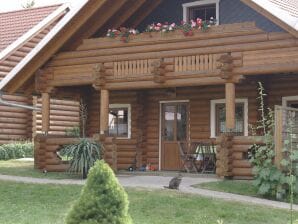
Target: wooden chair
188 160
208 155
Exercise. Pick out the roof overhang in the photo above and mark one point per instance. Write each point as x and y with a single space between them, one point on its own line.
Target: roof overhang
274 14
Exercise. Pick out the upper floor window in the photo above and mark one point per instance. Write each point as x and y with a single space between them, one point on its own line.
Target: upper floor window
204 9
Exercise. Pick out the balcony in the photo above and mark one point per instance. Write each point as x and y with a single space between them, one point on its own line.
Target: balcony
155 60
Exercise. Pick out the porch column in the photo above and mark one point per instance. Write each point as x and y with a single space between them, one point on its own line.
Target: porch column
45 110
104 111
230 105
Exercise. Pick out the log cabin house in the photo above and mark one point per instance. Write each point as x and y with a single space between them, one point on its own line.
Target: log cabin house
147 94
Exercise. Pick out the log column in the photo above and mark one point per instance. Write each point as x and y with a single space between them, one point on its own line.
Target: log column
45 110
104 111
230 105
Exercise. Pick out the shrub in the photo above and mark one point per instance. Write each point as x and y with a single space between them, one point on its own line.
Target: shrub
103 200
82 155
16 150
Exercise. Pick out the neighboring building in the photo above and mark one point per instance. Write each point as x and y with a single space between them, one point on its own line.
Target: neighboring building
158 90
20 34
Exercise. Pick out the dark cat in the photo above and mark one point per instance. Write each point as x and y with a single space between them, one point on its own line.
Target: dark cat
175 182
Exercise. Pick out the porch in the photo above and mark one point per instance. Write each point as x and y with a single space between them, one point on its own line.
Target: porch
152 79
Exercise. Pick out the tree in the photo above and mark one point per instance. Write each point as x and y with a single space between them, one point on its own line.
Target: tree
29 4
103 200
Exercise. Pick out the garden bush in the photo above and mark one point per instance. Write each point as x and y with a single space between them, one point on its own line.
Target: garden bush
16 150
103 200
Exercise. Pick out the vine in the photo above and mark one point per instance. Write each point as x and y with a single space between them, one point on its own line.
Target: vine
268 178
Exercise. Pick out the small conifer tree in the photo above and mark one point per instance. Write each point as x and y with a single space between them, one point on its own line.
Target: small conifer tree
103 200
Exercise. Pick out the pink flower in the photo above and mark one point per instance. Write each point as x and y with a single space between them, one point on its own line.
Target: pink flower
193 23
173 25
199 22
159 24
157 28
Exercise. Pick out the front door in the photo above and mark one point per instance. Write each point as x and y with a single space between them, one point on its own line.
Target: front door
174 128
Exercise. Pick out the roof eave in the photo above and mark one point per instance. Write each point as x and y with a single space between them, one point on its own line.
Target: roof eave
271 17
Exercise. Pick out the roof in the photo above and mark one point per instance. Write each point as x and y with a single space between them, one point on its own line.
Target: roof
96 14
16 23
282 12
22 30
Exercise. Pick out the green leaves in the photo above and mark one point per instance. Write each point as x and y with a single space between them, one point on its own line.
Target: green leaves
103 200
82 155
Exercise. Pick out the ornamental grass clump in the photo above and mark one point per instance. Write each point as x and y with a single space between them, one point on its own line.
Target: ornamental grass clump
103 200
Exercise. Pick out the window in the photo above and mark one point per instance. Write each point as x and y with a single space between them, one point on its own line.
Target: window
120 120
218 117
290 101
204 9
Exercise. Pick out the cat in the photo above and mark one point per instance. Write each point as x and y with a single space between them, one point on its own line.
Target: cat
175 182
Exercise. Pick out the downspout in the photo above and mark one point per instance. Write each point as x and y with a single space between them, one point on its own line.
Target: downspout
27 107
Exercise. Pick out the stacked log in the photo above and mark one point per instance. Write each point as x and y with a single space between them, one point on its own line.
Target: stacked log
224 156
232 156
46 148
64 115
14 121
110 151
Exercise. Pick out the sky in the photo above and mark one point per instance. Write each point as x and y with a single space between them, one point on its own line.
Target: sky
11 5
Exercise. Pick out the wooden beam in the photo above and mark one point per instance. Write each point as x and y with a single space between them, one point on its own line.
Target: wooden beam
141 14
55 44
104 111
125 12
278 143
230 105
45 110
108 11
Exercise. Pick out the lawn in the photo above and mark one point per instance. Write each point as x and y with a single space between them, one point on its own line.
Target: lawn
243 187
26 169
48 204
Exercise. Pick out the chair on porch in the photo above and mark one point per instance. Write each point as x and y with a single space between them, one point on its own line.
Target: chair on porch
188 159
207 155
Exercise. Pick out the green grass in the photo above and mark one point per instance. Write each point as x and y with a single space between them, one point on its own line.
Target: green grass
243 187
48 204
26 169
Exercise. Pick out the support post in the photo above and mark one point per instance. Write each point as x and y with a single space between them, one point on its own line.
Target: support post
104 111
230 105
45 110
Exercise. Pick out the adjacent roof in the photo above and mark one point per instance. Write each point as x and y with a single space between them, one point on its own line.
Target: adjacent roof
15 24
282 12
22 30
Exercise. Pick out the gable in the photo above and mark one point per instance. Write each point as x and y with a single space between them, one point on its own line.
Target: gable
230 11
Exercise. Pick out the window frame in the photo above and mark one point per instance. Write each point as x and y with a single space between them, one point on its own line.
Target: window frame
213 104
186 6
121 106
286 99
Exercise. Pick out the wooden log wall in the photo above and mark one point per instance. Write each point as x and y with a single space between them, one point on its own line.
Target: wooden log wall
199 100
15 123
45 152
232 156
64 115
126 148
